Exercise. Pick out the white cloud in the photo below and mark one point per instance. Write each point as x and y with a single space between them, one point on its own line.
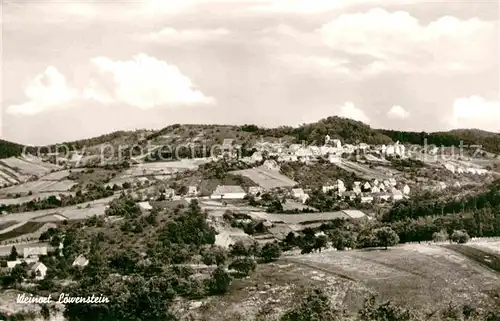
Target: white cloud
348 110
399 42
147 82
398 112
476 112
45 91
171 34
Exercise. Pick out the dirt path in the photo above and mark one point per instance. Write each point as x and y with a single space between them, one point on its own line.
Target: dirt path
319 268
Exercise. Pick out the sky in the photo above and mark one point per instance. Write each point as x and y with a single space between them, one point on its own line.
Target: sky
76 69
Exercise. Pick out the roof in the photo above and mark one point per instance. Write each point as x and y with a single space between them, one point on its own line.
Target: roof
80 260
145 205
226 189
354 213
38 265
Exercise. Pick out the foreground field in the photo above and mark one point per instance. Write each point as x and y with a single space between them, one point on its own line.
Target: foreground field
423 277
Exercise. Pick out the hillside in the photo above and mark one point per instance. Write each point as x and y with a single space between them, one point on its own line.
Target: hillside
488 140
8 149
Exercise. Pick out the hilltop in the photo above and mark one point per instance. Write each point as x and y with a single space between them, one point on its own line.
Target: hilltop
348 130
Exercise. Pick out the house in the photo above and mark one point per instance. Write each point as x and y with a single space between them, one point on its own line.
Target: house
228 192
192 191
34 251
287 158
334 158
145 206
271 165
80 261
12 264
169 193
366 199
327 139
375 189
257 157
298 193
450 167
406 190
357 188
363 146
336 143
384 197
327 188
39 270
341 187
393 182
397 195
349 195
255 190
367 186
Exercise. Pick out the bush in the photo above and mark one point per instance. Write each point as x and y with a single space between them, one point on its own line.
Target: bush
243 265
219 281
460 237
270 252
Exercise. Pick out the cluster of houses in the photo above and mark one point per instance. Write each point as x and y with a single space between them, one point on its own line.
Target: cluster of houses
459 169
333 149
31 256
368 192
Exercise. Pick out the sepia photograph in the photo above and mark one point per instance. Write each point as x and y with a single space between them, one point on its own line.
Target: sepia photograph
250 160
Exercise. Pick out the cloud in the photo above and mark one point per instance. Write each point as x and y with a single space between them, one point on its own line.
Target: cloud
399 42
348 110
397 112
475 112
147 82
45 91
171 34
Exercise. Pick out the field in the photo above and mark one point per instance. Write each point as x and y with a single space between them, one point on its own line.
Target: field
423 277
29 198
76 212
486 258
265 178
39 186
298 218
29 227
361 170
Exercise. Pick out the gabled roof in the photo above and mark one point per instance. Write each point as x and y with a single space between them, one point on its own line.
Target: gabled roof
226 189
38 265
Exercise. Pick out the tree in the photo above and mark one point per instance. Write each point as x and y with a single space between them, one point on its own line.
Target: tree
386 237
270 252
383 312
440 236
219 281
238 249
19 273
314 306
13 254
243 265
45 312
320 242
460 237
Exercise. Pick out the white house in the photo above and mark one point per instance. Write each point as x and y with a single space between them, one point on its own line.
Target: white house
327 139
228 192
39 270
271 164
192 191
450 167
367 186
34 251
145 206
327 188
366 199
12 264
299 194
363 146
287 158
341 186
406 190
257 157
336 143
397 195
334 158
393 182
375 189
255 190
80 261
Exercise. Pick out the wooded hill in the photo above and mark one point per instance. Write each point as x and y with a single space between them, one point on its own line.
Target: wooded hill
348 130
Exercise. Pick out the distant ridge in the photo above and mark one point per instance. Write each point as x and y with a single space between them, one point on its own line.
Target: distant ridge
348 130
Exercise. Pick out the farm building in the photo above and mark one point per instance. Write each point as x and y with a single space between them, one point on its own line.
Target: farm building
328 188
228 192
34 251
